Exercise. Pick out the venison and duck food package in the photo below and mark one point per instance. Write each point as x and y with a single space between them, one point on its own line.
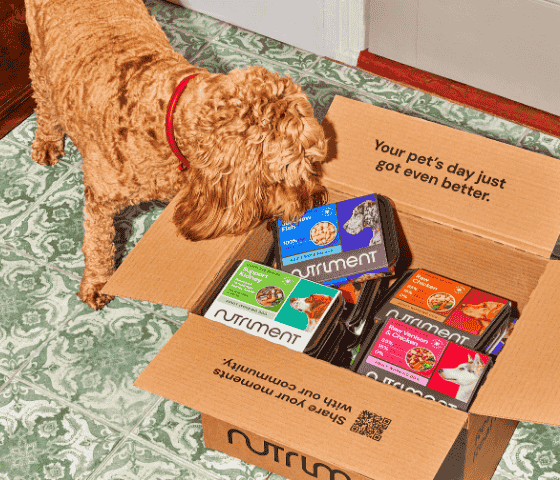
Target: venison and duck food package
350 241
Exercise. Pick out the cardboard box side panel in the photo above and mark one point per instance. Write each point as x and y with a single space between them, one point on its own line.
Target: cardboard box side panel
256 247
311 406
365 135
524 383
267 454
487 439
168 269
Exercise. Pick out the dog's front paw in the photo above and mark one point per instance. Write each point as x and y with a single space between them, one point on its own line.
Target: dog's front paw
91 295
47 152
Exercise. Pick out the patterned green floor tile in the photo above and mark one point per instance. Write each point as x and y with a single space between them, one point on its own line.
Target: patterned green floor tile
168 14
95 359
175 314
183 42
541 143
42 439
364 81
22 181
321 95
24 134
178 430
467 119
34 301
266 47
222 59
533 453
134 461
53 232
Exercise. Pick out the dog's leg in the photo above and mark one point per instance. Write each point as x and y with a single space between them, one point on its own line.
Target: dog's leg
98 248
48 146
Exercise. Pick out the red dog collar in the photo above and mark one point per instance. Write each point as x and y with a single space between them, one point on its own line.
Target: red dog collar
169 122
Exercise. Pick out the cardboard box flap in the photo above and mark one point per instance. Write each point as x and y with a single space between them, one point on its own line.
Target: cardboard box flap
272 391
166 268
522 202
524 383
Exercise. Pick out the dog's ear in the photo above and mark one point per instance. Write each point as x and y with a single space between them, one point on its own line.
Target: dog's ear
207 210
289 203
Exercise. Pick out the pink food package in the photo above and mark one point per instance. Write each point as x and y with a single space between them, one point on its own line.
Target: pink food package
417 361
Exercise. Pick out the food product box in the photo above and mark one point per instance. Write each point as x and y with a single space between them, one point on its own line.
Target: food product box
453 310
303 418
281 308
419 362
353 240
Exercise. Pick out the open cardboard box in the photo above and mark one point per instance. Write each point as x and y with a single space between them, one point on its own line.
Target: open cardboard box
293 414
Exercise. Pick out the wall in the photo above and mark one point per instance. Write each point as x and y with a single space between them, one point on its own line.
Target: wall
510 48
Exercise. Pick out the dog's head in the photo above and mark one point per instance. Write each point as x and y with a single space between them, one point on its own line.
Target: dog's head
313 305
255 150
485 310
299 304
366 214
464 374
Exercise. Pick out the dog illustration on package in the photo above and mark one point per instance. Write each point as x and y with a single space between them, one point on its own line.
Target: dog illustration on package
466 375
365 215
313 306
484 312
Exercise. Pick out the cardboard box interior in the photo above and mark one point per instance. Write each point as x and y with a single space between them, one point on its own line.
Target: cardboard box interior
500 244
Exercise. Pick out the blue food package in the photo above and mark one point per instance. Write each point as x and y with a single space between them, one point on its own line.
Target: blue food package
350 241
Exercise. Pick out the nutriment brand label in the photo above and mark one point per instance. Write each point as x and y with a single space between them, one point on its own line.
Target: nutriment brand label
417 361
449 309
335 243
272 304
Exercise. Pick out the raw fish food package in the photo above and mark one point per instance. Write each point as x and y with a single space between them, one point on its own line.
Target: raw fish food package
350 241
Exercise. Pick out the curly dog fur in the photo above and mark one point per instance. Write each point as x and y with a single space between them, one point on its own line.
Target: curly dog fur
103 72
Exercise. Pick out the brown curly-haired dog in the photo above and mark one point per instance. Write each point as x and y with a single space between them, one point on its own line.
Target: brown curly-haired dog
103 72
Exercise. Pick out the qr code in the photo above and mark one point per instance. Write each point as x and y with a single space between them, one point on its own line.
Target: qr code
371 425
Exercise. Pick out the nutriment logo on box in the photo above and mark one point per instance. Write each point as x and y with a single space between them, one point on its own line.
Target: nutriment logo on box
289 458
335 243
272 304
